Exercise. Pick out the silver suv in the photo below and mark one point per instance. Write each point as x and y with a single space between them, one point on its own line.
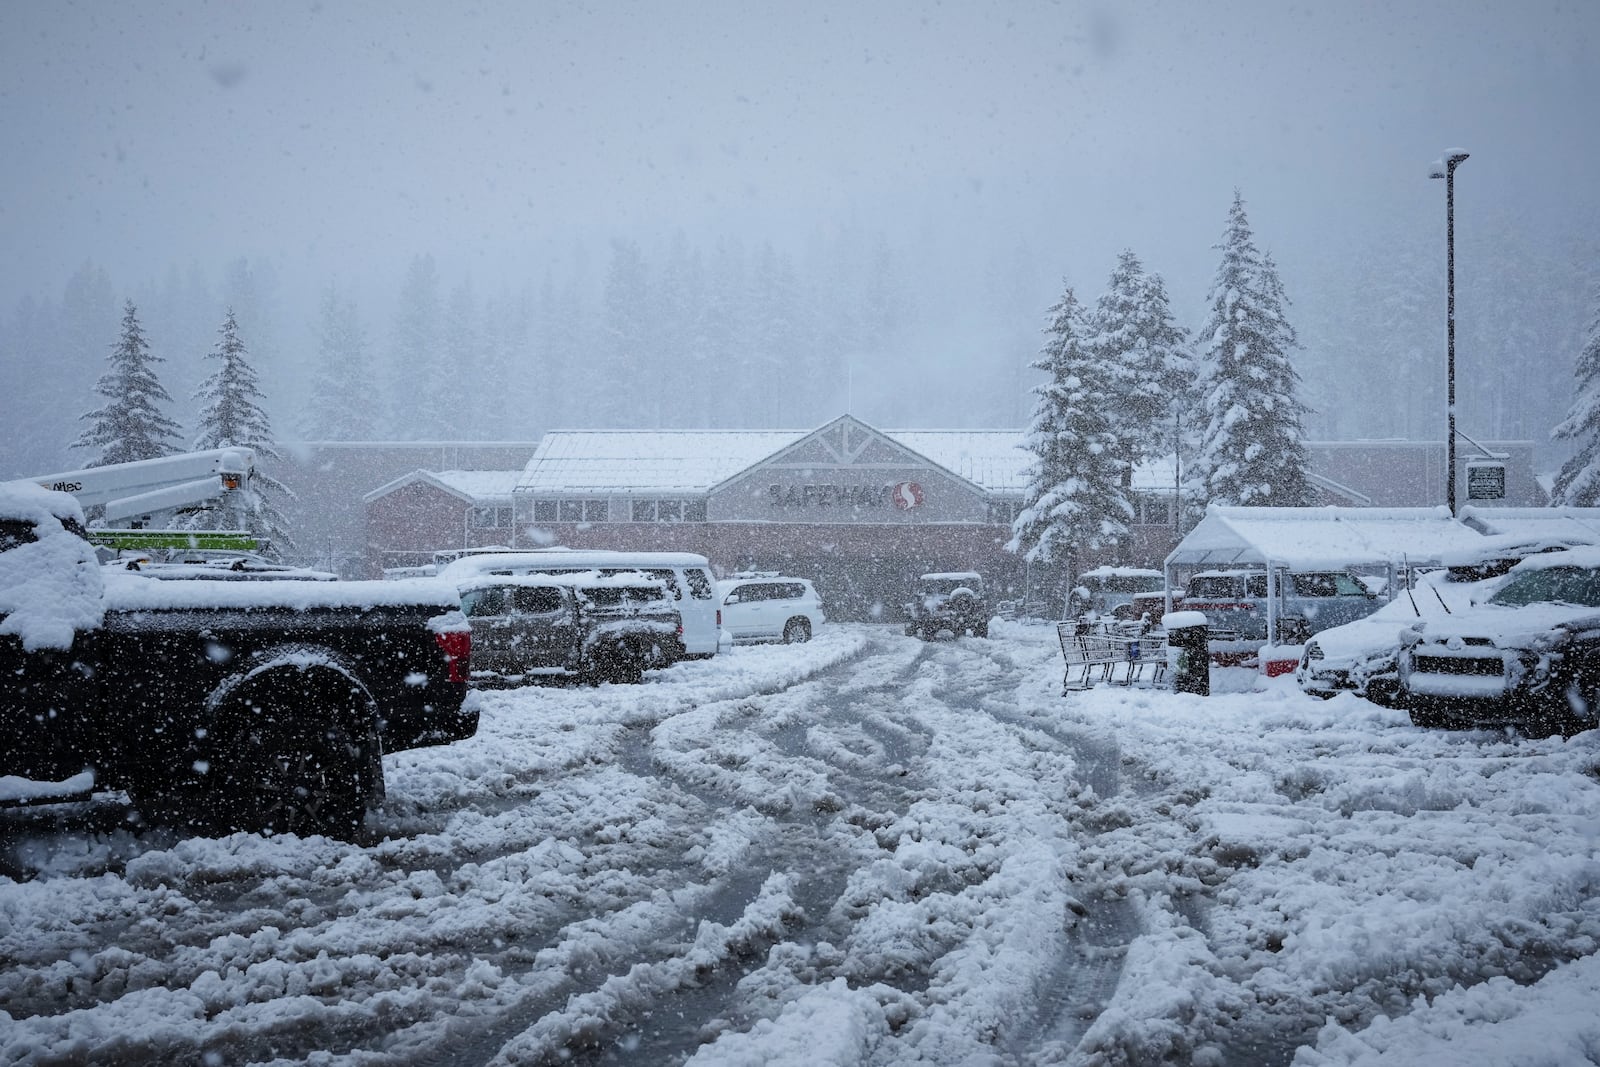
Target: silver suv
1308 602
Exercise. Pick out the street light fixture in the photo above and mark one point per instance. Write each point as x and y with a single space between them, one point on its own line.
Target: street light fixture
1446 168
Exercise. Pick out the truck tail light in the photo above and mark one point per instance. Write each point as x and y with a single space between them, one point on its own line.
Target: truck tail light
719 618
457 648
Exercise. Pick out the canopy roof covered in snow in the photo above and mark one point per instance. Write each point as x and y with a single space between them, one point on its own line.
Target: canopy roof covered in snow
1567 523
1320 538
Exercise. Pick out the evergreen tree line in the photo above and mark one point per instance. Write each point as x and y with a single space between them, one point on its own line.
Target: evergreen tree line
1120 372
734 336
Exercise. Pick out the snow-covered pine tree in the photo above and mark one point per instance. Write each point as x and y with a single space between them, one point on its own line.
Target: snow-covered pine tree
130 426
1579 481
343 391
231 416
421 391
1252 450
1075 500
626 379
1145 353
461 345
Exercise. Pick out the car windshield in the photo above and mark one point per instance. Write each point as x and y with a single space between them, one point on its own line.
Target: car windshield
1553 585
1214 586
949 585
1127 583
618 596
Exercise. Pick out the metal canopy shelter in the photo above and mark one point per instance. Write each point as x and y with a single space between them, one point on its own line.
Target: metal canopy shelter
1284 540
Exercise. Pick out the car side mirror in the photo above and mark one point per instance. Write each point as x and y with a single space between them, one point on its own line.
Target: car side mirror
733 598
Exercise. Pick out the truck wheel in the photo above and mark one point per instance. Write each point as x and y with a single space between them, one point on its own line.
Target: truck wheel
297 752
796 631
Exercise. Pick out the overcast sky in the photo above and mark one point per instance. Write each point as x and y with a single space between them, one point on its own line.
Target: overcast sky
343 138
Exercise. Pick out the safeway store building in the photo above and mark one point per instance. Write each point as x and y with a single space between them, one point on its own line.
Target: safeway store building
860 511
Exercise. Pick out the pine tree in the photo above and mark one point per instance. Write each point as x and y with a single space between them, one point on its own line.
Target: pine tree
1145 353
1252 449
342 388
417 407
231 416
628 382
461 359
1578 483
1075 500
130 426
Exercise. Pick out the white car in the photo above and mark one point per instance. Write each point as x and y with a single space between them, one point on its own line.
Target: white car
769 607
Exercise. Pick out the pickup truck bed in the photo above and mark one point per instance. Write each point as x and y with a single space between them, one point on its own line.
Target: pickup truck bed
219 705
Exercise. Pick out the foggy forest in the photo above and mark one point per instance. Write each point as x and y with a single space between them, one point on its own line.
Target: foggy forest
733 334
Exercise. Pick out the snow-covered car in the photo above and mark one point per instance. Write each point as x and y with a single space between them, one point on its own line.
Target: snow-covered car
1308 601
1528 655
587 625
1113 590
769 607
687 577
948 600
1363 656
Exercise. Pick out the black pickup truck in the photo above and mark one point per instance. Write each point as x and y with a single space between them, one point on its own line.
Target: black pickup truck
213 705
591 626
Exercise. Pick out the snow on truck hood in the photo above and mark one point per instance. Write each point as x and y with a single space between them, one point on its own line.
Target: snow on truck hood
49 587
132 592
1507 627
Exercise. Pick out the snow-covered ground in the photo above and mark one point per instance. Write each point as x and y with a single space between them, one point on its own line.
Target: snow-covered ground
864 850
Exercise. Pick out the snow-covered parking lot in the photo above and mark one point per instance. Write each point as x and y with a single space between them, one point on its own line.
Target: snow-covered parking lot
863 850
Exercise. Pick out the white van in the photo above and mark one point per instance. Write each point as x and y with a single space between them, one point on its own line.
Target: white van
686 575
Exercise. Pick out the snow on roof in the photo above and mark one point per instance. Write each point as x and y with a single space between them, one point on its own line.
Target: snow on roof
653 461
1305 538
994 459
479 487
692 461
1570 523
487 486
130 591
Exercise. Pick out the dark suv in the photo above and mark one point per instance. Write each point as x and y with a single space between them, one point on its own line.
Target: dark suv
951 600
594 627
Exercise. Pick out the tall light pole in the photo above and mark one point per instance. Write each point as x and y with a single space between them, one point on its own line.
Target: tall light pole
1446 168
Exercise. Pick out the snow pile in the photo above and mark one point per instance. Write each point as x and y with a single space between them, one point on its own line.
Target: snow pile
864 849
50 584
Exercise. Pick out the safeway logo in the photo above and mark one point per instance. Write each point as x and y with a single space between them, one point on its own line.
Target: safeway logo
906 495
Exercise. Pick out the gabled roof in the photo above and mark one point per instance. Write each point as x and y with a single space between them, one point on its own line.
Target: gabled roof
695 461
847 441
473 487
1315 538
